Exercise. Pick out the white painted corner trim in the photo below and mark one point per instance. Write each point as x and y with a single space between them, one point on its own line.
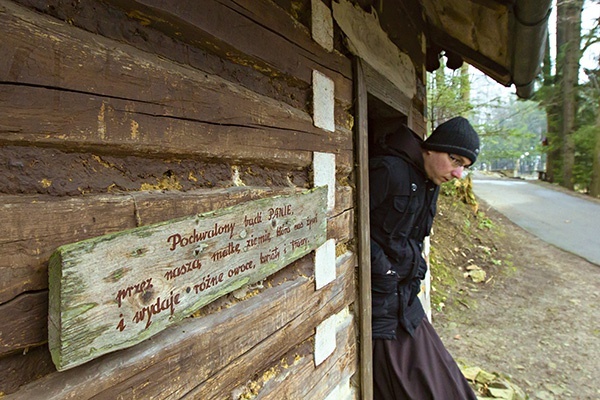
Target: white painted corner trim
324 174
323 101
325 336
325 264
322 24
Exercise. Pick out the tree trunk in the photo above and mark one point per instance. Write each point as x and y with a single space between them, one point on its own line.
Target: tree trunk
465 84
572 55
552 117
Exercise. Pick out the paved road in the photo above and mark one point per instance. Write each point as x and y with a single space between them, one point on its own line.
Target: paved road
568 222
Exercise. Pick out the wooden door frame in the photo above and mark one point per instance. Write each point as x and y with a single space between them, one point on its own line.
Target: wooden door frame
367 82
364 241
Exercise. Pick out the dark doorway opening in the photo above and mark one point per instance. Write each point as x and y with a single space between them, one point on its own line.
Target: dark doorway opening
382 120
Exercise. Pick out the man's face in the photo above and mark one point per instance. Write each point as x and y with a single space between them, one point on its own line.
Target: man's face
443 167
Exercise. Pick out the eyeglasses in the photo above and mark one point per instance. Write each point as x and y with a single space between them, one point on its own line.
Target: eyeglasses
457 162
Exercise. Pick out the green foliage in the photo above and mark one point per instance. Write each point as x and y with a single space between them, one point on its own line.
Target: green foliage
512 130
446 94
585 143
445 280
586 135
508 128
484 221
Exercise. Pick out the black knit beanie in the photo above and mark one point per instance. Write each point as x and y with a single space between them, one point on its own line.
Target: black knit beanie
455 136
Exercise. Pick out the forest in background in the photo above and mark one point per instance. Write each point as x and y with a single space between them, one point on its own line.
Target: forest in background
554 135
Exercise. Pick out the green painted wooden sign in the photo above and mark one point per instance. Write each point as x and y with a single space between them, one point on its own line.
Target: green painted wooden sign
114 291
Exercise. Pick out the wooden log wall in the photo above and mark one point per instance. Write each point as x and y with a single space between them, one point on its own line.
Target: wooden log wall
120 113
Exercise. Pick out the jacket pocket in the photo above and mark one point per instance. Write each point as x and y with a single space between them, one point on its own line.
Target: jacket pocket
384 295
400 218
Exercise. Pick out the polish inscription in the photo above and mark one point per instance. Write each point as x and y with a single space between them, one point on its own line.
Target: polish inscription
117 290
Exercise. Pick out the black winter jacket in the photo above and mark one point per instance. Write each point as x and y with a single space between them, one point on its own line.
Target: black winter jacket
402 207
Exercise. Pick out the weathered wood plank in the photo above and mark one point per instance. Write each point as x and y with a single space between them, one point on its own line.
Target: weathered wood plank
143 103
342 226
114 291
76 121
381 87
240 25
303 381
364 238
23 367
236 371
27 244
418 121
297 378
106 20
24 323
191 45
171 358
41 170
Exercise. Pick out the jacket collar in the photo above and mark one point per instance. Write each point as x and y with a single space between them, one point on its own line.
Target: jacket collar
403 143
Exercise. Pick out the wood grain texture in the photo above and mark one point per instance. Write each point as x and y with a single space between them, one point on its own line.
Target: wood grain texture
122 87
273 135
19 368
172 358
363 235
26 246
380 87
242 28
142 105
303 381
25 323
207 44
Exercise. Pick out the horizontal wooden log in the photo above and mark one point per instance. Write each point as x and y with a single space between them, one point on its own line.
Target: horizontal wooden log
27 244
381 87
81 122
142 104
23 367
35 170
25 324
242 28
302 380
184 41
28 325
297 378
184 356
237 371
342 226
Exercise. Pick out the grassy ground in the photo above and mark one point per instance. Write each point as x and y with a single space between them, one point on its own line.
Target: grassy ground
468 248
